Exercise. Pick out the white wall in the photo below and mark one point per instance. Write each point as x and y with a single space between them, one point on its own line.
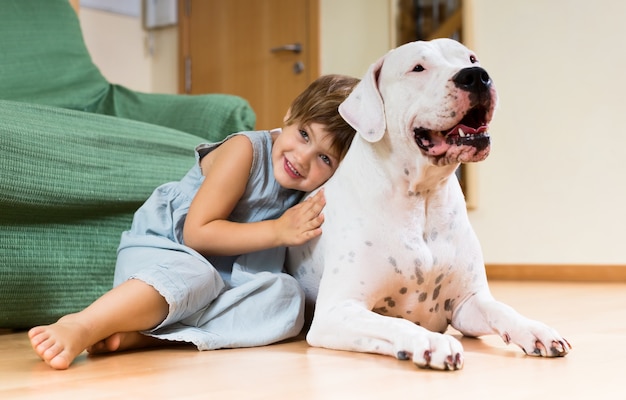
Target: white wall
354 34
552 190
127 54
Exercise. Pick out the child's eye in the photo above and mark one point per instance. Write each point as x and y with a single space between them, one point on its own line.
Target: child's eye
326 159
304 135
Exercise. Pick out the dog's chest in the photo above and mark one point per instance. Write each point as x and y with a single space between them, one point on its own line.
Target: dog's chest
419 285
423 270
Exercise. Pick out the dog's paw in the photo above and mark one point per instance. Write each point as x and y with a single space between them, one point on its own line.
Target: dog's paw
433 350
538 339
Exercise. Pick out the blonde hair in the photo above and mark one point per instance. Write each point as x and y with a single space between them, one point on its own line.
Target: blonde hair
319 103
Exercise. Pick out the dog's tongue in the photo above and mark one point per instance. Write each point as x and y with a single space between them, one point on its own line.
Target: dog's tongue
438 145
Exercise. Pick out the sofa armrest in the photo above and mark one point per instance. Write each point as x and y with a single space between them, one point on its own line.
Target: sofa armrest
209 116
70 182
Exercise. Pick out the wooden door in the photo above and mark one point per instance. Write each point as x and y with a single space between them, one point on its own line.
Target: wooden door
265 51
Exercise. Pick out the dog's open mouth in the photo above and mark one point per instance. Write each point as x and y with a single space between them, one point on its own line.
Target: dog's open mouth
470 131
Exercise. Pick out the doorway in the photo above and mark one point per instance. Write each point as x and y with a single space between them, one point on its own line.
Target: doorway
264 51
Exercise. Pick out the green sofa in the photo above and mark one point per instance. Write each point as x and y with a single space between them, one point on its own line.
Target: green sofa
78 155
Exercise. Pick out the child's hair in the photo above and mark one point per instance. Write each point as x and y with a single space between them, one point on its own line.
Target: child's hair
319 103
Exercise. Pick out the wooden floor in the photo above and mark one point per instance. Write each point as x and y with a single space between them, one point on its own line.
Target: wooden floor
591 316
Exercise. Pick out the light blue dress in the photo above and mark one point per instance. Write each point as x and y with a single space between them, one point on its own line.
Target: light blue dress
215 302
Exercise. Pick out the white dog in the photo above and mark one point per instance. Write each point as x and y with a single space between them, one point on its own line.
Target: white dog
398 260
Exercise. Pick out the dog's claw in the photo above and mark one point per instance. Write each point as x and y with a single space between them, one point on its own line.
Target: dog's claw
560 348
449 364
458 361
540 349
427 357
454 362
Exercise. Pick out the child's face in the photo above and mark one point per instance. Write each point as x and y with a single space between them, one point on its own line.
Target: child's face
303 158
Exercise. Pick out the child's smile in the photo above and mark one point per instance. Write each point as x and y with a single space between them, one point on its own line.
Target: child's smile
303 157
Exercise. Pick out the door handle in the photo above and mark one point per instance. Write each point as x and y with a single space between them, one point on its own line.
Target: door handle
294 47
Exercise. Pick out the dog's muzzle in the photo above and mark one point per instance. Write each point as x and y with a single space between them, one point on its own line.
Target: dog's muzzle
471 130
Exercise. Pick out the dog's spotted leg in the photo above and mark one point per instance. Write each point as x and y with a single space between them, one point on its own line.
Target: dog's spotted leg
349 325
481 314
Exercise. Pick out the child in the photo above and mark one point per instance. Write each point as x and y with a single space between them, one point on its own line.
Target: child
202 262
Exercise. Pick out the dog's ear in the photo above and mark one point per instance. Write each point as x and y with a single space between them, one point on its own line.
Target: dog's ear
363 109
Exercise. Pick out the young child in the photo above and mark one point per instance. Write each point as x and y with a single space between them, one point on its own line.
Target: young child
202 262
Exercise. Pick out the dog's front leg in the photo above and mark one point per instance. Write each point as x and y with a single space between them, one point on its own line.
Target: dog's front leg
481 314
349 325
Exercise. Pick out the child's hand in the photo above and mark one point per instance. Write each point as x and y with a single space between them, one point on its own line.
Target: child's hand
303 221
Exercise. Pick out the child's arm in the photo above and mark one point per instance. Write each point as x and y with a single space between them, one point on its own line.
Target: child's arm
207 230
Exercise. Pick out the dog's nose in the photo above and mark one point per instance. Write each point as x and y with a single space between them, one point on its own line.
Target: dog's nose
473 79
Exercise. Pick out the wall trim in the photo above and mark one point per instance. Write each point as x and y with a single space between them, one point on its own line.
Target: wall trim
550 272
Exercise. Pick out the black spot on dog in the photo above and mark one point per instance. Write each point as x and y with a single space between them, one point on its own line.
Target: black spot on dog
392 261
403 290
438 280
368 243
419 274
433 235
422 297
436 292
390 302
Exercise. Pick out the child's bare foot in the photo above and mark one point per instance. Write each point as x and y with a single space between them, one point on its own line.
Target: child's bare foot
124 341
60 343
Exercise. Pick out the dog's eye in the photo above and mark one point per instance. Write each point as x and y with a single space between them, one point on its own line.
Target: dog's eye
418 68
473 59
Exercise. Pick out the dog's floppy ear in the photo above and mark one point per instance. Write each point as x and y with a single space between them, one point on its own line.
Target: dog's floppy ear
363 109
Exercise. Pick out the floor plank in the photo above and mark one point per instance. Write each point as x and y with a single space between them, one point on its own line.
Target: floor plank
591 316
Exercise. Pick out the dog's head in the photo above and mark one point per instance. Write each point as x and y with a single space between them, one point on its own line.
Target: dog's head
431 96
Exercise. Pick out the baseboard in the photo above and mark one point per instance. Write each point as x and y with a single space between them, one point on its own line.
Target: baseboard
549 272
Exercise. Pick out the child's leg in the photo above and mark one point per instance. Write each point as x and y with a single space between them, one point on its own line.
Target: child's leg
131 306
264 308
127 340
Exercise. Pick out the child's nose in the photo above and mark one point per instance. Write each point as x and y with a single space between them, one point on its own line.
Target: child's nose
305 158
